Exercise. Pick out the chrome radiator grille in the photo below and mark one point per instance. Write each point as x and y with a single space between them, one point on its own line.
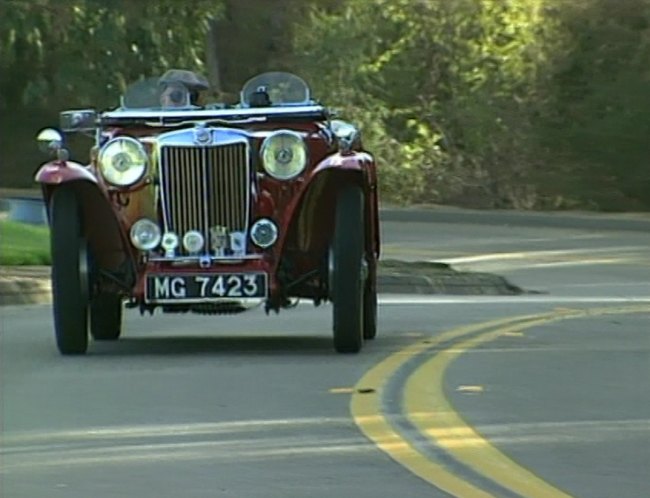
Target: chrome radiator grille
205 187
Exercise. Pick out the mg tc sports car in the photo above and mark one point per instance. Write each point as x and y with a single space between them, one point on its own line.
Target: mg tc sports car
187 206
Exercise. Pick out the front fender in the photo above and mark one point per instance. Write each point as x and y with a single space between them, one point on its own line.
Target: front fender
351 161
58 172
103 228
310 217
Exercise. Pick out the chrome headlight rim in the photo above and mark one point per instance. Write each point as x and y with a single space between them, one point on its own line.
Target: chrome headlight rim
266 162
136 230
264 223
134 173
193 242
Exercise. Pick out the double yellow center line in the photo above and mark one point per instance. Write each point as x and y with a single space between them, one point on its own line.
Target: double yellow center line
427 409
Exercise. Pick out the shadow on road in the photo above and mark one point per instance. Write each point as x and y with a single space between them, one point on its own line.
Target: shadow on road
214 346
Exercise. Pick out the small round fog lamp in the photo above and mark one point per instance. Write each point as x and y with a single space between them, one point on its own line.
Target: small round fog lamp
264 233
193 241
169 242
145 234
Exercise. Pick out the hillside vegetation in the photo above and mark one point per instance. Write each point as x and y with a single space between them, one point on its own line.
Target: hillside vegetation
534 104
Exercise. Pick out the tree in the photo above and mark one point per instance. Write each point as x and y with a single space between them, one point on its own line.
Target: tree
61 54
446 91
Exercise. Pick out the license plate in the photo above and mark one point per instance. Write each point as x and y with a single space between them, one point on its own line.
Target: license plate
173 288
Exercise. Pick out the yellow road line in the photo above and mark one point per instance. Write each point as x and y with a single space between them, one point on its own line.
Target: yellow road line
429 410
367 413
366 409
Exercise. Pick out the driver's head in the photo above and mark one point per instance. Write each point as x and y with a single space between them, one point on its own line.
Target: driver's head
174 94
180 84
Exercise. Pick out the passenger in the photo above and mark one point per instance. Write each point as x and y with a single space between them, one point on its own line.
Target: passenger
181 88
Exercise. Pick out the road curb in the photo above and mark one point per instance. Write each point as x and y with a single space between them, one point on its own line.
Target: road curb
465 284
31 285
24 290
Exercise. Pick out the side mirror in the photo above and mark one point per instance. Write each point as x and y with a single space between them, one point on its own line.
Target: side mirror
348 135
49 141
78 120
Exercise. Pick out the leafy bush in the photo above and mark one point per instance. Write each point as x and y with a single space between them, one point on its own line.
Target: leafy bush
490 103
484 103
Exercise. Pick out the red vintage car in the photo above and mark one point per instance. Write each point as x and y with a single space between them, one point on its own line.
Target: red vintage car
210 208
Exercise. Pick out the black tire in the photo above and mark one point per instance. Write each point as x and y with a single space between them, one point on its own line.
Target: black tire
106 317
346 271
69 273
370 309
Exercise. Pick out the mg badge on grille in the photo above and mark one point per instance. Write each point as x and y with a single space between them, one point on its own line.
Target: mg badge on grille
202 135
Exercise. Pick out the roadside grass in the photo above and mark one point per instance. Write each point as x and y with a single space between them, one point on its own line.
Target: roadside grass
22 244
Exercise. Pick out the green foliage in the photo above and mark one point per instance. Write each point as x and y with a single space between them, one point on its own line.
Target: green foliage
64 54
452 85
486 103
86 51
519 103
599 117
23 244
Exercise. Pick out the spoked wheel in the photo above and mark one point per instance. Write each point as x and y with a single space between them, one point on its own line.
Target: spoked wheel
69 273
347 271
106 317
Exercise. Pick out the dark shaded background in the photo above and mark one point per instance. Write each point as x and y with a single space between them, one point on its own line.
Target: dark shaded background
480 103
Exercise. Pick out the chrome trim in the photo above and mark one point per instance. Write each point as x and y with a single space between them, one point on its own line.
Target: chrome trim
193 259
208 186
128 139
346 133
267 223
206 114
249 301
291 133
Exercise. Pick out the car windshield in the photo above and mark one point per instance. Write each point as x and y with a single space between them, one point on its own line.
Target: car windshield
151 94
273 89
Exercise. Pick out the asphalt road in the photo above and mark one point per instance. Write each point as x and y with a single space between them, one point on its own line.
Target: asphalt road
545 394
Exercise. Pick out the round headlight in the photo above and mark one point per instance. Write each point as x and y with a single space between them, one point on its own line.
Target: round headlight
122 161
193 241
284 155
145 234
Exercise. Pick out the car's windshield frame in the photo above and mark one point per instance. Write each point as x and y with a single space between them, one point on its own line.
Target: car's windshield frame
282 89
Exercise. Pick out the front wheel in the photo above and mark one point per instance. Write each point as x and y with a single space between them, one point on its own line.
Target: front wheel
106 317
347 271
69 273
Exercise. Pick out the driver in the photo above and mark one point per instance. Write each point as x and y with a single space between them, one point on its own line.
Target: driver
174 94
181 88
